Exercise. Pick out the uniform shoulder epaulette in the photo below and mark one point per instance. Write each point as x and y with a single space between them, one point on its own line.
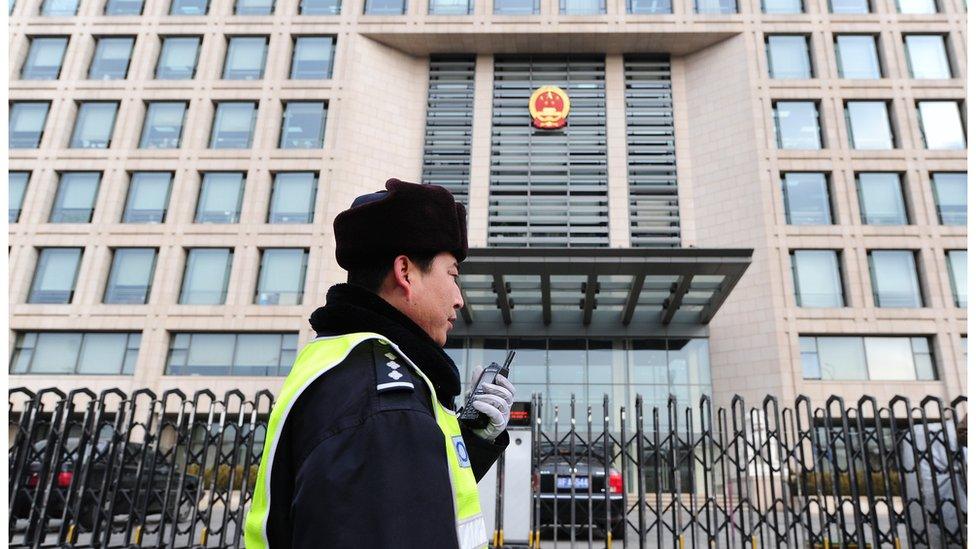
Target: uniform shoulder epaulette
392 372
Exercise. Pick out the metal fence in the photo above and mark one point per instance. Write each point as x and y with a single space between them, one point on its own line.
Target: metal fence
173 470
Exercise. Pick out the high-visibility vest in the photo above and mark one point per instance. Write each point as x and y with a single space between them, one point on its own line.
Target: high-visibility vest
317 358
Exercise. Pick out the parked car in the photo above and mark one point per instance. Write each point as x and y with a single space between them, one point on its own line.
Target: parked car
554 482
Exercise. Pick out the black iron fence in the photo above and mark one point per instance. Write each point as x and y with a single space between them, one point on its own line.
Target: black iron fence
173 470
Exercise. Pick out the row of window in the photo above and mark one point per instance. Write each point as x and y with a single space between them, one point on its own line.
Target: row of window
281 277
302 124
147 200
817 280
867 358
245 59
869 126
881 198
788 56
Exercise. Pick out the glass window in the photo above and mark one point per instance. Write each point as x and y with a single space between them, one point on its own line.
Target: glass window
788 56
164 125
889 358
782 6
233 125
16 187
44 58
950 197
245 58
450 7
93 127
55 276
224 354
148 197
917 6
312 58
716 6
957 274
857 56
582 7
385 7
206 275
941 125
293 197
841 358
882 199
894 278
927 57
27 120
282 278
178 58
254 7
59 8
806 199
220 197
797 124
319 7
131 276
189 7
303 125
88 353
75 201
123 7
850 6
868 125
111 60
816 278
516 7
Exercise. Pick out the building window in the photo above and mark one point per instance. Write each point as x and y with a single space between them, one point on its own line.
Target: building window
293 197
917 6
206 275
582 7
868 125
867 358
220 197
385 7
44 58
927 57
806 199
178 58
788 56
131 276
253 7
716 6
27 120
16 187
303 125
941 125
882 199
83 353
230 354
55 275
516 7
950 197
816 278
850 6
894 278
233 125
75 201
957 275
450 7
59 8
94 124
797 124
245 59
282 278
319 7
164 125
111 60
189 7
123 7
148 197
857 56
312 58
782 6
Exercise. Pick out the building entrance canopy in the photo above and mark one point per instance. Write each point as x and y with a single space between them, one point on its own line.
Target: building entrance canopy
598 292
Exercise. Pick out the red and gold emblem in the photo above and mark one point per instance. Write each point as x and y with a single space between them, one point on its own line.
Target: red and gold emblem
549 107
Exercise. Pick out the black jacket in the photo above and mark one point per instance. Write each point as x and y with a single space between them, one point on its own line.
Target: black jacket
359 467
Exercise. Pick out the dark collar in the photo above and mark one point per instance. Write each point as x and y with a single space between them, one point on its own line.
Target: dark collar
349 308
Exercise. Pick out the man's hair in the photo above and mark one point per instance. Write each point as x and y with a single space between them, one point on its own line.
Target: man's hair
372 277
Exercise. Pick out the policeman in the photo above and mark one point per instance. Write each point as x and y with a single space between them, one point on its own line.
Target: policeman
363 447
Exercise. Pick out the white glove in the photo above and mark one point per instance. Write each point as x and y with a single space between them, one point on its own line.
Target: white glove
495 402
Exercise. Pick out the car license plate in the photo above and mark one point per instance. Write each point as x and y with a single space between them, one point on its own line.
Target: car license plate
564 483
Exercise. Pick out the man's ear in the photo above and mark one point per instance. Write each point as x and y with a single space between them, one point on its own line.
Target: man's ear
401 276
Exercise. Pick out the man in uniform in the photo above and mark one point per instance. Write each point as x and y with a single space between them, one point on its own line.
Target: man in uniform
363 448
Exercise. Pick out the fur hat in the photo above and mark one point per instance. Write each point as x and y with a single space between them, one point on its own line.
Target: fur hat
406 218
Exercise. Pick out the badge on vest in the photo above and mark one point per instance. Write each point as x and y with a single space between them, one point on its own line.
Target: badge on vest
462 451
390 374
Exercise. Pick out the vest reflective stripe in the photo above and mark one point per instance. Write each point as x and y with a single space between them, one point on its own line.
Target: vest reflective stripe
317 358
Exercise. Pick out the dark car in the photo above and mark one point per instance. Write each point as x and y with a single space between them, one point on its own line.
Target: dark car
133 490
593 491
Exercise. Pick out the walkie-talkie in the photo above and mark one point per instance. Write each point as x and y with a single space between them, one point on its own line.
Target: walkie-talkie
470 416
